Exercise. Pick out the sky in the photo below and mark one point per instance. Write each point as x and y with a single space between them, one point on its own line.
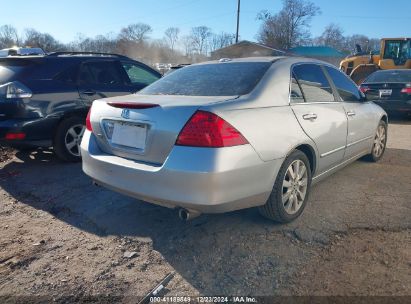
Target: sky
66 19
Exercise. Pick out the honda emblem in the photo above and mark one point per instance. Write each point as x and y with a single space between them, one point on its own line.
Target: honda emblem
125 113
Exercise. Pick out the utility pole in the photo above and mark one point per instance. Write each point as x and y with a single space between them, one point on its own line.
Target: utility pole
238 21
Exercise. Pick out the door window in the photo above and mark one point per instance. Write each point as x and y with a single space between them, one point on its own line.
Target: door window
313 83
397 50
103 73
139 75
347 90
68 75
296 95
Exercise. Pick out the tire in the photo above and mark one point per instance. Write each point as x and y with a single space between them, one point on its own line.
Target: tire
380 140
67 139
274 209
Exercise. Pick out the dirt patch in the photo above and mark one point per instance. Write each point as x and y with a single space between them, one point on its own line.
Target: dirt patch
362 263
6 153
63 238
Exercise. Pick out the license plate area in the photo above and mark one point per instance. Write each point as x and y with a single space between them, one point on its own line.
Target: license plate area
126 135
385 93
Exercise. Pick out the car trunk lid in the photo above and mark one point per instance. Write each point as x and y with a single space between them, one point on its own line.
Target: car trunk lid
385 91
144 127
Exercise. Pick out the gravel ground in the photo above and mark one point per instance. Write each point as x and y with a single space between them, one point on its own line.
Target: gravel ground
62 238
6 154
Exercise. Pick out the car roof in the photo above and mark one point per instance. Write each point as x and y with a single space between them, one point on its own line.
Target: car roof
81 55
245 59
284 59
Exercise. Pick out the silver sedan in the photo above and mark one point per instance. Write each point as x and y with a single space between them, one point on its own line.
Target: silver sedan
232 134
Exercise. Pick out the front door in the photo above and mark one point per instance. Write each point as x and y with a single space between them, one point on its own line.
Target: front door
361 120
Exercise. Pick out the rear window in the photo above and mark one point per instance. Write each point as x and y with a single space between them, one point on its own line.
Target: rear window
221 79
390 76
9 68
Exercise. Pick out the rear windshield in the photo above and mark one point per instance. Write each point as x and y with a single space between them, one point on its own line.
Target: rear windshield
9 68
390 76
221 79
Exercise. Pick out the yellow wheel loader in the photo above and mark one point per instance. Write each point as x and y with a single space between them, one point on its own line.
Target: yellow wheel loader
395 53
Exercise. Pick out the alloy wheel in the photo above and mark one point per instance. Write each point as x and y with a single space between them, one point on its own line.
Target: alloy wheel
73 138
379 141
295 185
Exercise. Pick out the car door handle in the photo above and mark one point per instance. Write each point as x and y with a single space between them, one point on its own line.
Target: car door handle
89 92
310 116
350 113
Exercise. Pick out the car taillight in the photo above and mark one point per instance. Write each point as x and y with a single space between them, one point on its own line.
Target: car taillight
205 129
406 90
15 89
15 136
364 89
88 122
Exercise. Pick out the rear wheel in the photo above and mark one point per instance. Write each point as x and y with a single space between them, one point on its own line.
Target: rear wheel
380 142
291 188
67 139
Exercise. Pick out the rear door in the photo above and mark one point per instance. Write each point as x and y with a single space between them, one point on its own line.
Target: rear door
319 114
102 78
360 114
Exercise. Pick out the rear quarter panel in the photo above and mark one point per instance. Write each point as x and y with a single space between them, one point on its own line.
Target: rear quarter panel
272 131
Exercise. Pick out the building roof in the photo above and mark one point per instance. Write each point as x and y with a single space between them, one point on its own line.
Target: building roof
317 51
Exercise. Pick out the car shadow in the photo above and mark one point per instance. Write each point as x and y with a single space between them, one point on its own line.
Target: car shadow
201 251
198 250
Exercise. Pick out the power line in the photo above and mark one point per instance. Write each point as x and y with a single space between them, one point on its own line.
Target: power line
197 21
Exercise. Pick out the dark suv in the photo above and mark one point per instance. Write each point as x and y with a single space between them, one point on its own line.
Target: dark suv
44 99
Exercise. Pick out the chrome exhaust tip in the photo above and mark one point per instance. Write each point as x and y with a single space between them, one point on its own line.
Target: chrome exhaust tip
187 215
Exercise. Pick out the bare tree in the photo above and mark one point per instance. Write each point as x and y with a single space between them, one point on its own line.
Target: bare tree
45 41
332 36
218 41
199 37
135 32
172 36
367 44
289 27
100 43
187 45
8 36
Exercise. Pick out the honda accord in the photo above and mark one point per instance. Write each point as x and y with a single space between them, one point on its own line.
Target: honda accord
231 134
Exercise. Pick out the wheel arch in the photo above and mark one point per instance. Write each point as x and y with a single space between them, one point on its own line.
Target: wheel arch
384 118
73 113
310 153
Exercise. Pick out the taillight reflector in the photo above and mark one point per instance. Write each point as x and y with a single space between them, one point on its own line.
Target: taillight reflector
88 122
364 89
132 105
205 129
15 136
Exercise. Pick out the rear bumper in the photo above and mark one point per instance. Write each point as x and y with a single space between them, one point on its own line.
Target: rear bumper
399 106
201 179
39 132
